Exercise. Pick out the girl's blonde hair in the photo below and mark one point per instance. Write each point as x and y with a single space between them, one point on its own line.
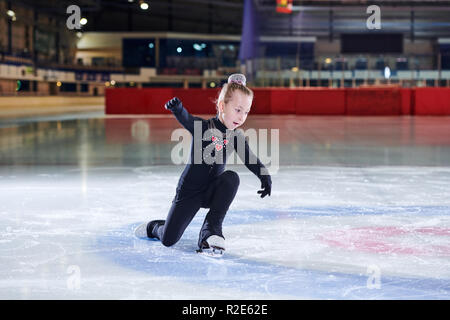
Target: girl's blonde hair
236 82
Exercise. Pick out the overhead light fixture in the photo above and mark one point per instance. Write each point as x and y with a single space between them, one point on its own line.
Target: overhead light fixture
83 21
179 50
12 15
387 73
144 5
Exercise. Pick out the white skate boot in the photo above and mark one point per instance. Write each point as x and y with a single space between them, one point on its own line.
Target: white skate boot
141 231
214 246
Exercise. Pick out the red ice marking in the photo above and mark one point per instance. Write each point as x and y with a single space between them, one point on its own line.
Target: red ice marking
435 231
388 240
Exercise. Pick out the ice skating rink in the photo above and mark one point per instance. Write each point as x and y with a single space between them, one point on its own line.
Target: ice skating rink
360 209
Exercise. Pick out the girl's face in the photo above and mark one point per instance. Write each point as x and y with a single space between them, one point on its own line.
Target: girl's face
234 113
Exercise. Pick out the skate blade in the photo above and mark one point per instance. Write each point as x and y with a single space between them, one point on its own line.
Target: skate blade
214 252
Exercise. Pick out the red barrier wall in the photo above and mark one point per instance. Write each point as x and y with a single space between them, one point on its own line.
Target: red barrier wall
373 102
406 101
261 101
281 101
432 101
197 101
137 101
301 101
320 102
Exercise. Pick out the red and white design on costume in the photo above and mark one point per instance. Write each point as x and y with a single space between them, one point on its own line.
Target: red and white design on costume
217 144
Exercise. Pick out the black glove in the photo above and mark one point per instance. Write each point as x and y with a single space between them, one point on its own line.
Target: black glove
173 104
266 185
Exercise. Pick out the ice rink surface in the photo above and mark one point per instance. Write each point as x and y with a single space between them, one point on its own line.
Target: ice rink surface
359 209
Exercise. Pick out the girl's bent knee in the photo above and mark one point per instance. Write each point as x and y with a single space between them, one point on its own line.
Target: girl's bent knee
168 242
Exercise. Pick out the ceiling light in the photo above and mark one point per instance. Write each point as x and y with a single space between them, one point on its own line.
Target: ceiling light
387 72
144 5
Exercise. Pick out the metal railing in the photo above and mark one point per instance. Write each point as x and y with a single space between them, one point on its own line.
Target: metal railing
353 71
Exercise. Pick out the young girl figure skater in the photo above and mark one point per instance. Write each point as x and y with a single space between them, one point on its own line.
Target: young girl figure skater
205 183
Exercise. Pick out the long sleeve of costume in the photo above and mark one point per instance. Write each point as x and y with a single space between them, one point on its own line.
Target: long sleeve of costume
185 118
250 160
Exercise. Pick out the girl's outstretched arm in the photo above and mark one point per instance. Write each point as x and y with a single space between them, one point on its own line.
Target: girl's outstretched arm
182 115
253 163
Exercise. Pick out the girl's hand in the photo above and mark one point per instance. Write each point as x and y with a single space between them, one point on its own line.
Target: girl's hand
266 185
173 104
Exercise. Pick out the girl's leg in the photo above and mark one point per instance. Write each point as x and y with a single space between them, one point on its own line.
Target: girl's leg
223 190
180 215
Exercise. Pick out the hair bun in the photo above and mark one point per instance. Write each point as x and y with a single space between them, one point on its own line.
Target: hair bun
237 78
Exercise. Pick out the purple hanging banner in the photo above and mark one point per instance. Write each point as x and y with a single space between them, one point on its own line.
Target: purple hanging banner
249 38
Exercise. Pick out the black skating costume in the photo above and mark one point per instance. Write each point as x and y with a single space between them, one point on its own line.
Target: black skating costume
205 183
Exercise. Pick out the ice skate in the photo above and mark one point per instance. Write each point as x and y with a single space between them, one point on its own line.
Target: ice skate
214 246
142 230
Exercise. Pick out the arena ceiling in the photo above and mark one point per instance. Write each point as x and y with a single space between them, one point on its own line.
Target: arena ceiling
225 17
192 5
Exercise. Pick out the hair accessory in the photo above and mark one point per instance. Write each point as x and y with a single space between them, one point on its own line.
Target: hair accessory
237 78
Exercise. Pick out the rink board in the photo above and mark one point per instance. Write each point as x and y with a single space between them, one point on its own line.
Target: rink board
300 101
